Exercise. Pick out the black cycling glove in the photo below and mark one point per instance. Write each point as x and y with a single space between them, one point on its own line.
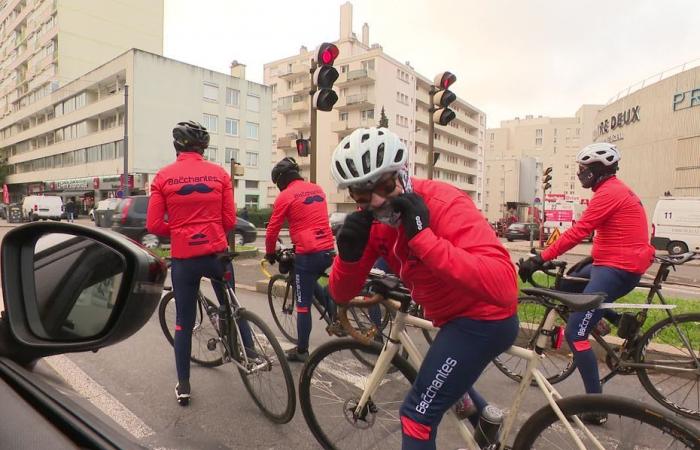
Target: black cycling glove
353 235
414 213
529 266
271 257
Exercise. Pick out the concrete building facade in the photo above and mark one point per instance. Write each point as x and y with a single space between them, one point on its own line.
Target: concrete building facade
370 80
70 143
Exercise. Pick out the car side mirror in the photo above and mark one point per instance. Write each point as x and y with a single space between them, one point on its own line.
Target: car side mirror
71 288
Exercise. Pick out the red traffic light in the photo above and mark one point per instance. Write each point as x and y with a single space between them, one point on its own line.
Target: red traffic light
327 53
302 147
444 80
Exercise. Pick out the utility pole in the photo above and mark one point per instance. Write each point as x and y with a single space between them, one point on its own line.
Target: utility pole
431 133
125 178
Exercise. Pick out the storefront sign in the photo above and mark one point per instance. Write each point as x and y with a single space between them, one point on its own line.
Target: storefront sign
559 215
687 99
77 184
619 120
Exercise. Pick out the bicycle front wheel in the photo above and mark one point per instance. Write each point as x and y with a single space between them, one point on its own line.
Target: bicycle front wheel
630 424
267 376
202 333
670 352
280 296
330 386
556 365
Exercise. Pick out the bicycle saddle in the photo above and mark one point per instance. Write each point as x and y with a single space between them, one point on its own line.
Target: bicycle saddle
575 302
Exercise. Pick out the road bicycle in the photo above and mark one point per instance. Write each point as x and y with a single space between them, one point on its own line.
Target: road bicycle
218 337
281 292
664 355
349 405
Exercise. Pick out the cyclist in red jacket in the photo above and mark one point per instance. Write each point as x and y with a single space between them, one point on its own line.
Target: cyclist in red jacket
432 235
304 206
197 197
621 252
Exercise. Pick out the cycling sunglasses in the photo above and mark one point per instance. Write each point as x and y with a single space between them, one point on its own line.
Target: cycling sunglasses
383 187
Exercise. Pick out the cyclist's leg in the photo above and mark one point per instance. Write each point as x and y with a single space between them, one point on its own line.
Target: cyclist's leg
307 269
449 371
582 271
614 283
186 274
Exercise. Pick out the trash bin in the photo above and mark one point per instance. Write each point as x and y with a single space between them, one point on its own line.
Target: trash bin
14 214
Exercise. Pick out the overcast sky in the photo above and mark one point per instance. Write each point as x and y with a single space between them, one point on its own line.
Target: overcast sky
511 58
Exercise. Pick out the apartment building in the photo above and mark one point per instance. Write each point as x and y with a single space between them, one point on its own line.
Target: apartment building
370 80
71 142
551 141
45 44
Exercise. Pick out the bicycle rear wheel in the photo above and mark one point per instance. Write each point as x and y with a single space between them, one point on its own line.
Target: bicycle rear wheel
556 365
270 382
202 332
675 345
630 424
280 296
332 382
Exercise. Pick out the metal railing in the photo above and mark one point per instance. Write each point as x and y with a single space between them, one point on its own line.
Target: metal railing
654 79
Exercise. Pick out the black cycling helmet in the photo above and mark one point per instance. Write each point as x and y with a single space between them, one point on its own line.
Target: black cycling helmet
190 136
285 166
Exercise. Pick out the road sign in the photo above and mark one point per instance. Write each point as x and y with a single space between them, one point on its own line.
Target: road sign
553 237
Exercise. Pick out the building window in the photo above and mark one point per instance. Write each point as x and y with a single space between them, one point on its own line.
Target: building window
252 201
368 64
344 68
231 126
344 116
252 130
251 159
368 114
211 91
210 122
232 96
251 184
253 103
231 153
538 132
538 141
210 154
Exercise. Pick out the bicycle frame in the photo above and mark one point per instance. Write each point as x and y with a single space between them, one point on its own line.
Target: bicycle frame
399 336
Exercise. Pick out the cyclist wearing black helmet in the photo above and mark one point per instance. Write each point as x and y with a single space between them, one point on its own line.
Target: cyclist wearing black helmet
304 206
197 197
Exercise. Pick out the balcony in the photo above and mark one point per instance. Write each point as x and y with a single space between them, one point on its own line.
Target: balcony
345 127
292 104
294 71
302 87
356 101
299 125
356 78
286 143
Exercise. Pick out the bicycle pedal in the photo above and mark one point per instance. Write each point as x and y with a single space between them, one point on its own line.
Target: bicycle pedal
335 329
211 344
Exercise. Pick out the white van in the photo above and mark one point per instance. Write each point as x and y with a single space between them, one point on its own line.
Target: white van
676 225
35 207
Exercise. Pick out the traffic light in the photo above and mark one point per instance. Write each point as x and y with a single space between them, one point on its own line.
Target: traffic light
442 98
303 147
546 178
324 76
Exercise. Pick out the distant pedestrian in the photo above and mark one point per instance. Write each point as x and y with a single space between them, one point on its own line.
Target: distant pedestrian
244 214
70 210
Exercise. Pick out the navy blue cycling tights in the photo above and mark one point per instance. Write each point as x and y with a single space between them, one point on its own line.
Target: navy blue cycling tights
186 275
461 351
615 283
307 268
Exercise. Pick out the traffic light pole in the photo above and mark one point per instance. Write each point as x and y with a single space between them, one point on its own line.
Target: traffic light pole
431 134
125 180
312 137
544 216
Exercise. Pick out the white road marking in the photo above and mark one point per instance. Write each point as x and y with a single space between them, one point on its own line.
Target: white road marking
98 396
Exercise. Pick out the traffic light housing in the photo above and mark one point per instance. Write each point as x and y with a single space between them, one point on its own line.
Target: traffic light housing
324 76
303 147
546 178
442 98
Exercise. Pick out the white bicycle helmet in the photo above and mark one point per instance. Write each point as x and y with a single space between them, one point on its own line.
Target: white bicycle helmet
603 152
362 157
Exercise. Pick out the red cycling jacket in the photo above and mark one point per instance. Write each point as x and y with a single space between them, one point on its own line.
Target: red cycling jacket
304 206
456 267
621 230
197 197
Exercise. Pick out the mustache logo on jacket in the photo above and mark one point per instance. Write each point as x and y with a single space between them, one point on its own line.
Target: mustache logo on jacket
313 198
190 188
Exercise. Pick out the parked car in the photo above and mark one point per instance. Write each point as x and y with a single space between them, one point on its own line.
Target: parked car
35 207
66 289
521 231
129 219
337 219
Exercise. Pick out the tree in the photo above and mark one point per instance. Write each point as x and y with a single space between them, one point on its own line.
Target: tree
383 120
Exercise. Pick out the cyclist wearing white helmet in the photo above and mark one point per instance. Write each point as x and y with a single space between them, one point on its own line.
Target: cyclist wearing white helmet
621 252
432 235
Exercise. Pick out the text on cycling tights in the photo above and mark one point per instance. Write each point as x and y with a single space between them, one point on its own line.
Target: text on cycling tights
461 351
307 268
186 275
615 283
